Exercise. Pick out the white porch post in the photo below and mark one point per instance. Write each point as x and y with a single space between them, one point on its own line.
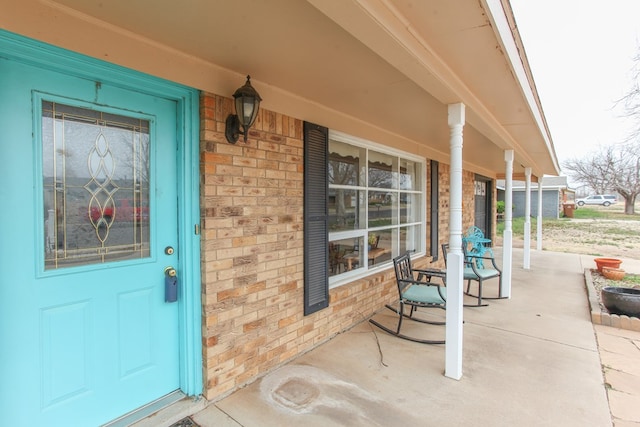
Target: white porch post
507 241
453 346
539 223
527 219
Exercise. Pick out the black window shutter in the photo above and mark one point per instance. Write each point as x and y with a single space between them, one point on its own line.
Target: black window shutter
435 205
316 254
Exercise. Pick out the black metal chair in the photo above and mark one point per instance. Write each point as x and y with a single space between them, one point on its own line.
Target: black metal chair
415 290
336 256
475 270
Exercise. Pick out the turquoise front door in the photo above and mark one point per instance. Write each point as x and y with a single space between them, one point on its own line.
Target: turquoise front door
89 225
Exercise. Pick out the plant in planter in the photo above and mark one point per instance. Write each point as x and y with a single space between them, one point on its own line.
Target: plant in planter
373 241
500 206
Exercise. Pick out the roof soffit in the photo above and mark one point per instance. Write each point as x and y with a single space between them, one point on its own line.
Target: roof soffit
281 50
462 62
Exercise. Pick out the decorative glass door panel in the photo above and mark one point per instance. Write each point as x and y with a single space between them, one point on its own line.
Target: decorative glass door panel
95 168
83 299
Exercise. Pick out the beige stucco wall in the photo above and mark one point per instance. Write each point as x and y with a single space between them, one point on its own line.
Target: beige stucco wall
252 252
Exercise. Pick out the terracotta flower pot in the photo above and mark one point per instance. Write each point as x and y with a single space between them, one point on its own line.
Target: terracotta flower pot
607 262
613 273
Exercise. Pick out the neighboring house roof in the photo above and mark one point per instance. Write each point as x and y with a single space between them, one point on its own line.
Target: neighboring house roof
384 71
548 183
555 181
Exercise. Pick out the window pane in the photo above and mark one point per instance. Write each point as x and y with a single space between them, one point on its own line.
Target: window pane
410 207
382 173
383 208
410 175
96 186
380 246
373 195
344 209
344 163
410 239
345 255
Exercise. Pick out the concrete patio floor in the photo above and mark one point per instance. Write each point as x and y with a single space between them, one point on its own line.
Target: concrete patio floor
532 360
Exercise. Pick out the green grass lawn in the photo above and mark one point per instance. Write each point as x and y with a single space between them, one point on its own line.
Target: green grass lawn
590 213
517 226
614 213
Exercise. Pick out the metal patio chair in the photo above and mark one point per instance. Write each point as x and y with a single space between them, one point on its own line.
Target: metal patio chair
415 289
475 270
477 244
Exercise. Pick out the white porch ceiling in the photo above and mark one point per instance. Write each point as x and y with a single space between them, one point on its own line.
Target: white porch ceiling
381 69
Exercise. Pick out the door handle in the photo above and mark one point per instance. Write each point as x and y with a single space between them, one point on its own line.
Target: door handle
170 285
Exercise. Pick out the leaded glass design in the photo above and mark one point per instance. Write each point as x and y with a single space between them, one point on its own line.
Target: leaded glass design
95 168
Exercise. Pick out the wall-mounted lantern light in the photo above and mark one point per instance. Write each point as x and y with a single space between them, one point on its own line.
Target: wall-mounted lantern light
247 103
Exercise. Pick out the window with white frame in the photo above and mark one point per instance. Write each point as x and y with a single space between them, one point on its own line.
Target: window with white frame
375 204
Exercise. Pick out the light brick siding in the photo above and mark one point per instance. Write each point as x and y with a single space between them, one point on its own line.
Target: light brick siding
468 200
252 252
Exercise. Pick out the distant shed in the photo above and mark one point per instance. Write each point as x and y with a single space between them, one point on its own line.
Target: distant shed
555 192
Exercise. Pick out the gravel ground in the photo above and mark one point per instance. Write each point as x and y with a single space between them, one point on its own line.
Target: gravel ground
603 237
608 238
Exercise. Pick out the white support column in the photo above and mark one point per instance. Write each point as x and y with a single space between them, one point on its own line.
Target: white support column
453 346
539 222
507 240
527 219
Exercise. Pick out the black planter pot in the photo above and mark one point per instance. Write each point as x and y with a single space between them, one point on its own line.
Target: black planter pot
622 300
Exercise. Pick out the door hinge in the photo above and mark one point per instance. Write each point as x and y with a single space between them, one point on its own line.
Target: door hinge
196 229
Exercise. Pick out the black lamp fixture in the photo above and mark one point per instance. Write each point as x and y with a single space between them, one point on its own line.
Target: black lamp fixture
247 103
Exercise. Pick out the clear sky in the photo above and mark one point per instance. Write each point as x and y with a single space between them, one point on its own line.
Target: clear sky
581 54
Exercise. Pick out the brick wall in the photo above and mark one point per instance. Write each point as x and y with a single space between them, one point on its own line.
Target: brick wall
252 252
468 201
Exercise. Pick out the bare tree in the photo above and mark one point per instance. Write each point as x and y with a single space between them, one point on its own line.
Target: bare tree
342 171
614 168
595 169
628 165
630 102
627 176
